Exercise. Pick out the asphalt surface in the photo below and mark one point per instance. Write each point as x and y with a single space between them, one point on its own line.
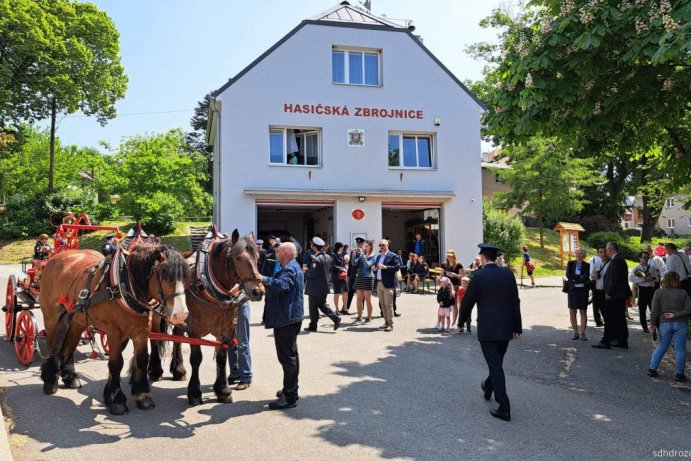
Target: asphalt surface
365 394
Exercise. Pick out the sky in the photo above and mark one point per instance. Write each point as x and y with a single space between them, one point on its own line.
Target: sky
175 51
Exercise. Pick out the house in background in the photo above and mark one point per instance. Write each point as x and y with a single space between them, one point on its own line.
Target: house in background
492 182
674 219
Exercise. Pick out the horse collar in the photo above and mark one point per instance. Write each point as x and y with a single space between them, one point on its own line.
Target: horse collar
206 284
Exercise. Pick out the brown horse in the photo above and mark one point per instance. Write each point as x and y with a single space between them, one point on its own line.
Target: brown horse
118 304
213 310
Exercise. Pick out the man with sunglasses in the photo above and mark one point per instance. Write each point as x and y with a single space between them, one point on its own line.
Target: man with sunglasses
644 276
385 268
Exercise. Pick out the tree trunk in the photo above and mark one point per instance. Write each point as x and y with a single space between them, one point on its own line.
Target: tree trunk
51 170
653 201
541 223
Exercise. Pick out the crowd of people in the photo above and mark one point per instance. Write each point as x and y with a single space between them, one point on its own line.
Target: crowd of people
659 285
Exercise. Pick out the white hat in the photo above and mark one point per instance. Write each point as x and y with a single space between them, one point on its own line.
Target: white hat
319 242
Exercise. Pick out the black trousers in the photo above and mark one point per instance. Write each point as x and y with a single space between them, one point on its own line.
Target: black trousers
598 305
285 339
318 303
351 291
615 322
494 352
645 300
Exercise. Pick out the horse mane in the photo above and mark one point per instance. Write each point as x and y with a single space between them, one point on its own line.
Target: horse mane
144 257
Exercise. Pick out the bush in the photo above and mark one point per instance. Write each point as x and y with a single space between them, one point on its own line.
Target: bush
503 230
72 199
106 211
627 248
27 217
159 213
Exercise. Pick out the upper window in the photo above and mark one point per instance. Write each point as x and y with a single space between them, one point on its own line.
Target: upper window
355 67
410 150
288 146
669 203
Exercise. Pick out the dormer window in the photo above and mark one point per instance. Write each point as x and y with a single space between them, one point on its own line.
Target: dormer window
355 66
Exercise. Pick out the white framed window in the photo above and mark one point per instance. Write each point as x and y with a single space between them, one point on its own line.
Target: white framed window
669 203
408 150
295 146
356 66
689 223
670 223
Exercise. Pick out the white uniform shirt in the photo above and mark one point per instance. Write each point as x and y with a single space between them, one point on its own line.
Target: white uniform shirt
640 281
679 263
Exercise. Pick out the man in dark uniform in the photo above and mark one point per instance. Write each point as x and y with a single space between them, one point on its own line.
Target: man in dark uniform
110 246
317 285
498 321
617 291
352 271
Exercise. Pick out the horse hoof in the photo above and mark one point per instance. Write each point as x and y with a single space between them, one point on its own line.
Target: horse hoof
194 401
179 376
50 388
224 398
146 405
118 409
73 384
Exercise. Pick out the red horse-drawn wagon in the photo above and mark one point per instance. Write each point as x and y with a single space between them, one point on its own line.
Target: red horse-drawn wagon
22 294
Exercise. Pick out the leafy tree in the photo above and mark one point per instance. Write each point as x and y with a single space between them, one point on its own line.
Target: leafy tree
503 230
57 56
611 77
158 173
197 139
546 181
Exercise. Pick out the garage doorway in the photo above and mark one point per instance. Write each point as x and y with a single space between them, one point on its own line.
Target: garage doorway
302 219
402 221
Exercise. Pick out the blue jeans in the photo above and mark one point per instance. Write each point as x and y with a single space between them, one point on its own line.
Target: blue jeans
669 331
239 357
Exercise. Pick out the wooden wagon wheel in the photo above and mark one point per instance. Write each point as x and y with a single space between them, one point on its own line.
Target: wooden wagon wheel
25 336
10 307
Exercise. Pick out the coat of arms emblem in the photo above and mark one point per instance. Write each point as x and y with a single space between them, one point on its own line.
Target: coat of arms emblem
356 138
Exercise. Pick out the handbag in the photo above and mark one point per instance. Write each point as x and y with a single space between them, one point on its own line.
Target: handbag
565 288
342 275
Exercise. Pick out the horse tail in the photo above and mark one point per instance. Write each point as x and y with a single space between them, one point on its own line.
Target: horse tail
49 368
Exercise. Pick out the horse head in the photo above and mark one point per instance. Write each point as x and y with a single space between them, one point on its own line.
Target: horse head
241 256
160 273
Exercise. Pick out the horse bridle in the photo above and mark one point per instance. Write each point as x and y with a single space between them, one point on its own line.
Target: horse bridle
239 279
163 311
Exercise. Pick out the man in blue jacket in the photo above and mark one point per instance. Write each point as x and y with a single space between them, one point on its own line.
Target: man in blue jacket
498 321
284 313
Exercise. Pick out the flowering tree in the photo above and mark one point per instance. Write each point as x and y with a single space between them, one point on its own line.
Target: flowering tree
613 77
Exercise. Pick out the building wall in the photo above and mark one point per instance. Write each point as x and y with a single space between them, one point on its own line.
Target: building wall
299 72
680 216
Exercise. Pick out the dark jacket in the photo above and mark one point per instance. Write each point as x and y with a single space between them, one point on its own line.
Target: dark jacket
498 305
616 279
352 267
424 248
337 266
284 299
261 262
392 263
318 274
573 278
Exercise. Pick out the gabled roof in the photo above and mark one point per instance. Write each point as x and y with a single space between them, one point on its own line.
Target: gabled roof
343 12
366 23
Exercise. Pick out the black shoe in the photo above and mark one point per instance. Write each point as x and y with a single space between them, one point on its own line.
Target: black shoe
242 385
599 324
396 314
282 402
488 394
337 323
646 332
680 378
280 393
232 380
601 346
652 372
505 415
621 345
309 329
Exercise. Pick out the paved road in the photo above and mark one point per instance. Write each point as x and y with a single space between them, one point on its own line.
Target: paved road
366 394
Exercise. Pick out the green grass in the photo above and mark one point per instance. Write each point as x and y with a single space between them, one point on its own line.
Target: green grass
13 251
547 261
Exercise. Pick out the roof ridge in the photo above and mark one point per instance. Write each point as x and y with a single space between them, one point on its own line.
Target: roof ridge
332 15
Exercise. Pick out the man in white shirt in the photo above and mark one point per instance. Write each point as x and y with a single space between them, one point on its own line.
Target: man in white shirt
678 261
596 274
644 277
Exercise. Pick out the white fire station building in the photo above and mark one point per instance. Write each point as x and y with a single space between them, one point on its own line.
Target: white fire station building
349 126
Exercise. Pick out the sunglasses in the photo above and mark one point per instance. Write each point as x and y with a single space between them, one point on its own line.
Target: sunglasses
382 246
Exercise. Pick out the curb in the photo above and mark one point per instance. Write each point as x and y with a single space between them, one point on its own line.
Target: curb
5 452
